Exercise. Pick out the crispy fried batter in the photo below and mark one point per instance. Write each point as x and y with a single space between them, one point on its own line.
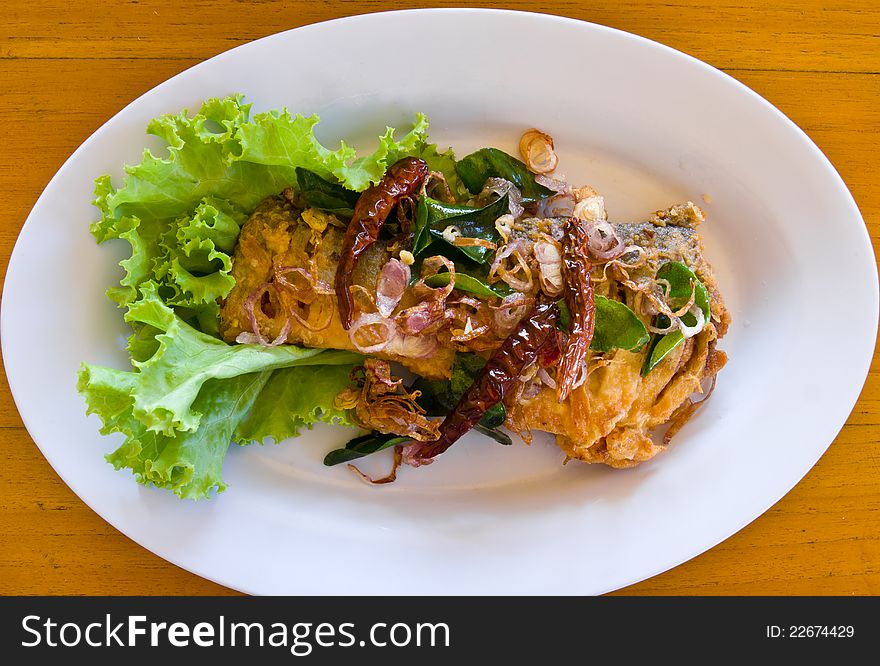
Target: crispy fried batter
611 419
278 235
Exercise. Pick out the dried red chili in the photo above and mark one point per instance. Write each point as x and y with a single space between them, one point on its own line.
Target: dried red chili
581 306
534 334
375 204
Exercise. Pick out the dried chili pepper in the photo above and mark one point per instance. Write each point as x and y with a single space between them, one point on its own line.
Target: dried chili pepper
581 306
373 207
534 334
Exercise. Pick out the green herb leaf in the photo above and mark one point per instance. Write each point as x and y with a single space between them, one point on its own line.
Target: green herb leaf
500 437
324 195
438 398
477 167
494 416
617 327
473 223
422 238
679 277
465 369
363 446
661 345
464 282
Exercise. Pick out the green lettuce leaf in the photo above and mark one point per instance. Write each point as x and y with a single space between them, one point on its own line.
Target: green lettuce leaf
444 163
279 141
284 407
190 463
181 213
189 395
164 387
145 239
189 258
196 264
365 170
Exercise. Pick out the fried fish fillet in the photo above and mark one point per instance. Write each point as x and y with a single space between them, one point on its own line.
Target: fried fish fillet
280 237
610 418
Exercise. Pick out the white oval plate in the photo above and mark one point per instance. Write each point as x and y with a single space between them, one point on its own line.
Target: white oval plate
644 124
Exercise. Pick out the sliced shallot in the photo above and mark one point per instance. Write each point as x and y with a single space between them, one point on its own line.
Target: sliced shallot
590 210
466 241
494 189
557 184
250 302
412 346
559 205
691 331
467 315
519 275
604 243
545 377
673 326
313 294
530 390
504 226
537 152
549 258
364 323
508 314
431 266
423 318
393 280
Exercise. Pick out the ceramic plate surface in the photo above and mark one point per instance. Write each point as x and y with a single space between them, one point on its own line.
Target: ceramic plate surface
645 125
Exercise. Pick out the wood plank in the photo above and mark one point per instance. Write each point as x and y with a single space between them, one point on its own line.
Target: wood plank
757 34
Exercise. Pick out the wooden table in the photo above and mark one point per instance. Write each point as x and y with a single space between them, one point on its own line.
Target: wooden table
65 68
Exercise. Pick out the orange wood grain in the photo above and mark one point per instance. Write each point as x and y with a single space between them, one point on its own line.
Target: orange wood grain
65 68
